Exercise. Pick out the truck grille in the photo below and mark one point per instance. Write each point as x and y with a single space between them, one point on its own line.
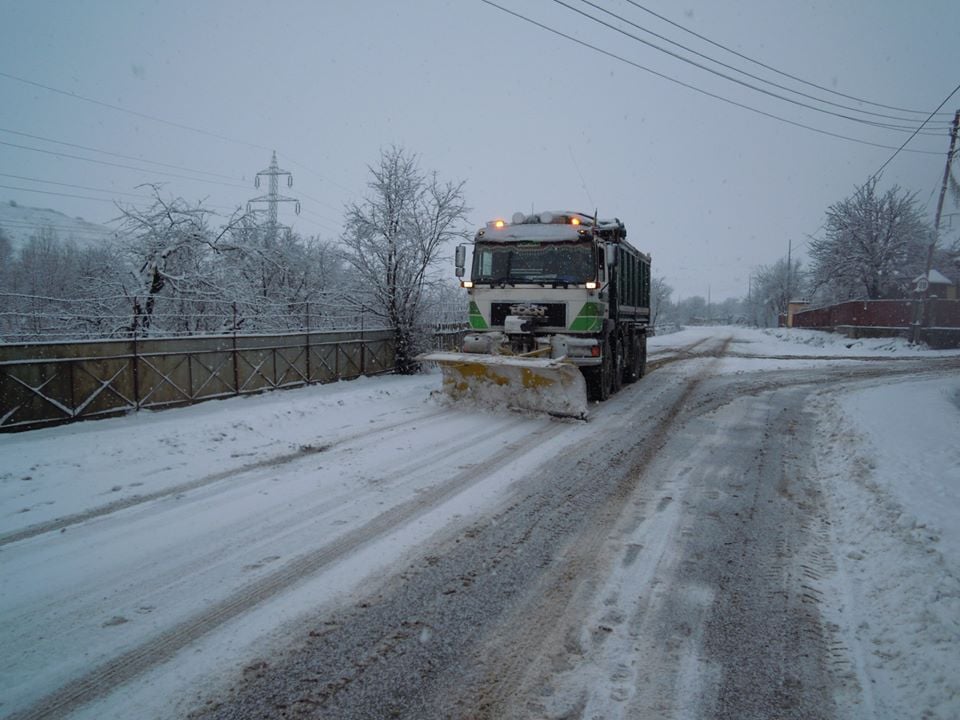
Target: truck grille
555 315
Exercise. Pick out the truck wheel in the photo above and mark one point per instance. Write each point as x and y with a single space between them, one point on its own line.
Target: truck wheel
631 372
642 364
599 379
617 368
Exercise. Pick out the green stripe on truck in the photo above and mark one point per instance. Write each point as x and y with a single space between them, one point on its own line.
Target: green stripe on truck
590 318
476 318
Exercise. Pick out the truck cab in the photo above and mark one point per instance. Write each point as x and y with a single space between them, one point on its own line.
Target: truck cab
561 285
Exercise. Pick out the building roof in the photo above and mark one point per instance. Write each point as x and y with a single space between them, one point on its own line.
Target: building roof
935 278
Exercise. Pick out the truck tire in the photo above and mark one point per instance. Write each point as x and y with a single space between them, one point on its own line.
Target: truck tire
599 379
642 365
617 367
631 370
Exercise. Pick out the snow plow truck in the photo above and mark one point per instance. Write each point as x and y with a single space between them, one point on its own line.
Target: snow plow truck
559 309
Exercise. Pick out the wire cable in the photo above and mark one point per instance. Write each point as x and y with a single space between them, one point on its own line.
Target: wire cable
77 187
64 228
170 123
117 155
694 87
770 67
58 194
118 165
730 78
128 157
145 116
912 121
897 152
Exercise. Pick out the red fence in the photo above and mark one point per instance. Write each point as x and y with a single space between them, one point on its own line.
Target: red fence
880 313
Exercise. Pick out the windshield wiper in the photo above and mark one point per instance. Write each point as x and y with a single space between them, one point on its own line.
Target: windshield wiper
507 280
564 280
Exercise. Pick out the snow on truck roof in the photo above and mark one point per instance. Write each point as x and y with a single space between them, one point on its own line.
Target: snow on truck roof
556 226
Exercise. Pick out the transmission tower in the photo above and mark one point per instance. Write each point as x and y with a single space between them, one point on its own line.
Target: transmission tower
273 197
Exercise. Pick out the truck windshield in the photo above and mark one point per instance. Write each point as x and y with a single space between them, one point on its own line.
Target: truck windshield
534 262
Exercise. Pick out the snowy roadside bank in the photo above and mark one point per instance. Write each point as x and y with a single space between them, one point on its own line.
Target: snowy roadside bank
890 468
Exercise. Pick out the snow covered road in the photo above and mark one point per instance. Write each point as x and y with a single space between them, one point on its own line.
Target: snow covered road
362 550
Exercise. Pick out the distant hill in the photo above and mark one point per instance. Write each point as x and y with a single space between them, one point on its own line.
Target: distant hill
19 222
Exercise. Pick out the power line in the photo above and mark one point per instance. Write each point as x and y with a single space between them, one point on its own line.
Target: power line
50 192
119 165
103 190
300 165
70 185
101 162
770 67
678 56
734 69
694 87
117 108
897 151
181 126
69 229
116 155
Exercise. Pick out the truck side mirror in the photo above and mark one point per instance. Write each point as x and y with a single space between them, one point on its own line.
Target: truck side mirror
461 258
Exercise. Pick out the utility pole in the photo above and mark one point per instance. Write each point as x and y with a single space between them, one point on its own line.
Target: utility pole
789 268
273 197
936 229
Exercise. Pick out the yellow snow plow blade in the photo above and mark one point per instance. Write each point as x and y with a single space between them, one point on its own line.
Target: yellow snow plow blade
541 385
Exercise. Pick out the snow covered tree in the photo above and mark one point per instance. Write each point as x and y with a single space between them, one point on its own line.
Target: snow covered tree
6 256
394 239
100 309
660 294
691 310
873 246
43 279
170 245
7 303
273 276
773 287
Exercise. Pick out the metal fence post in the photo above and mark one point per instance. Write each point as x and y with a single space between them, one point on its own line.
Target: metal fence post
363 345
236 367
73 390
135 367
307 343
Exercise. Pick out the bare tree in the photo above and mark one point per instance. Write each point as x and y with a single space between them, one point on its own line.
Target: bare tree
273 276
6 253
394 239
660 294
773 288
873 245
173 268
170 244
8 306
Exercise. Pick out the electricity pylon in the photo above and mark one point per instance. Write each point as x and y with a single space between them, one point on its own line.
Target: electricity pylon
273 197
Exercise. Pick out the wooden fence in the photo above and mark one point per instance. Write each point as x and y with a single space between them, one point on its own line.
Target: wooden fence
51 383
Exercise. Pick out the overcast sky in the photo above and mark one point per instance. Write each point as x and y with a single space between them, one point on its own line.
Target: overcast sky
527 118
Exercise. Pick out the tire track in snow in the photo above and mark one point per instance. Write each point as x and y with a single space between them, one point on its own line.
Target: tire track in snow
275 461
546 624
541 636
164 646
261 538
406 647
